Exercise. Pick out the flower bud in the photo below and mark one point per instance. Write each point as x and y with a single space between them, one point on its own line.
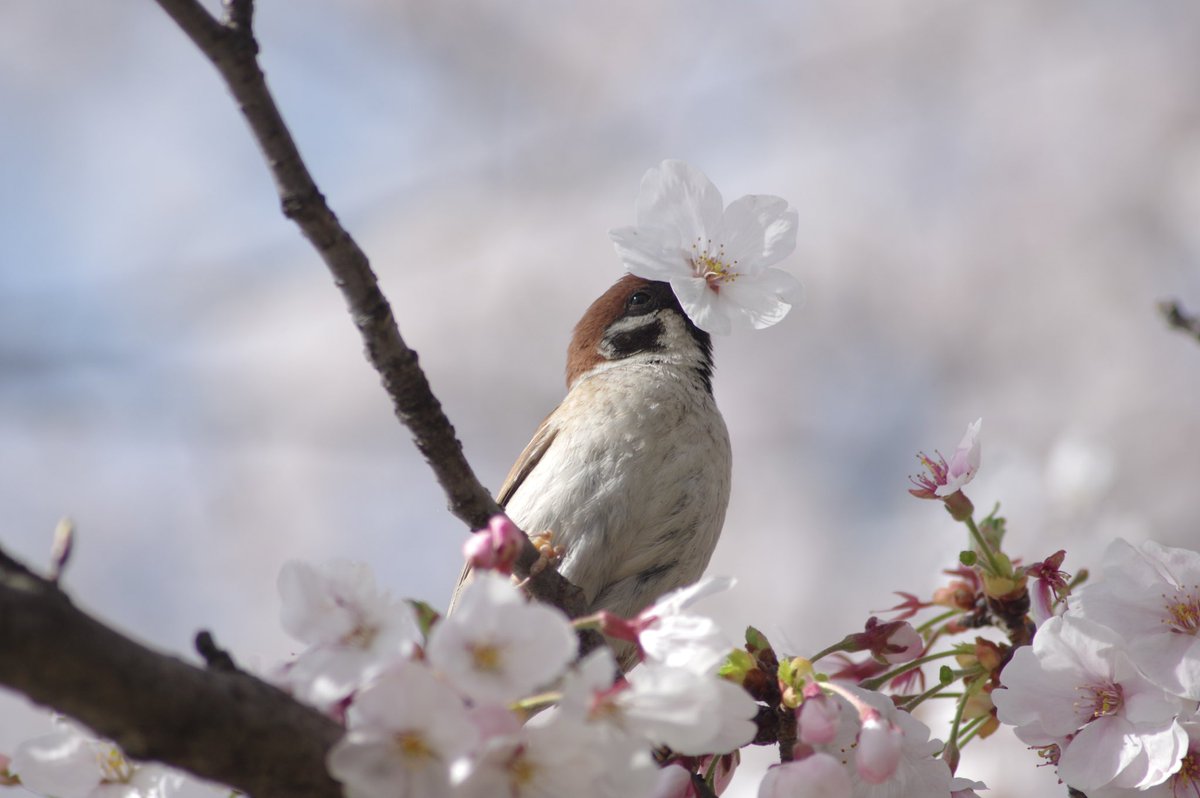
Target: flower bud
879 746
496 547
817 720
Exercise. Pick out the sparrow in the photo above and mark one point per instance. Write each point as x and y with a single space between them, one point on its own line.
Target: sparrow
630 474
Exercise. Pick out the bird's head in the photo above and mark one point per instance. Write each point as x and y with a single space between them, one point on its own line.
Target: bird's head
638 321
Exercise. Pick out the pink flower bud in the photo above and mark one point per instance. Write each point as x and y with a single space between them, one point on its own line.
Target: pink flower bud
817 776
495 548
891 642
879 746
478 550
817 720
904 644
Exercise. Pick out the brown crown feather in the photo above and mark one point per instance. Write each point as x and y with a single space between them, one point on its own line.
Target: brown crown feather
583 352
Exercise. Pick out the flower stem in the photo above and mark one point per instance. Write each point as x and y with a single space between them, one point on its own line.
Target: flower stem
984 548
879 681
971 729
841 645
932 692
938 619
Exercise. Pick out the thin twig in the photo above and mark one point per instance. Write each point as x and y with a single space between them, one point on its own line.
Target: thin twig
1179 319
233 50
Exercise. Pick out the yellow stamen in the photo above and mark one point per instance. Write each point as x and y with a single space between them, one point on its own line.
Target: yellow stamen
1184 612
114 767
412 746
486 657
714 267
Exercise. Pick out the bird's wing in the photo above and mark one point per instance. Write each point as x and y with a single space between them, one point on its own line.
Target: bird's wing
526 462
530 457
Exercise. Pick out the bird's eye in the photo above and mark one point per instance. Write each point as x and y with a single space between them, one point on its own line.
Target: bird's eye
639 299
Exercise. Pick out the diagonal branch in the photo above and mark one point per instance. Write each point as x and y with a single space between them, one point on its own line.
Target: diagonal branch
219 724
231 47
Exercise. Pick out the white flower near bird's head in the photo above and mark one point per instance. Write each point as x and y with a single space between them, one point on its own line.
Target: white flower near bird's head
719 260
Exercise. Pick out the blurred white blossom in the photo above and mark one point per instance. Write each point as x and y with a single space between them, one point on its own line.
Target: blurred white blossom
67 762
354 630
498 646
405 730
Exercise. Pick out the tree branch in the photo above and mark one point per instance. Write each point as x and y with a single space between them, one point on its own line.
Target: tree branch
233 50
219 724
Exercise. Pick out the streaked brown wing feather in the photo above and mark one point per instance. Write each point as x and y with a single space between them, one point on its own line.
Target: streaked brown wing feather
526 462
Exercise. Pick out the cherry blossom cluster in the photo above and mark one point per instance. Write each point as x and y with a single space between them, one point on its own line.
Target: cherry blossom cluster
451 706
1101 678
1108 691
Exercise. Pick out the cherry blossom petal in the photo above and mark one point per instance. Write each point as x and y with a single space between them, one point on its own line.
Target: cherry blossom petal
816 776
700 303
760 231
677 196
765 300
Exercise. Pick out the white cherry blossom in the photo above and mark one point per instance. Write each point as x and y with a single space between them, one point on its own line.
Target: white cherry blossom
692 713
1076 687
717 259
1183 783
671 635
405 731
1150 596
67 762
497 646
354 630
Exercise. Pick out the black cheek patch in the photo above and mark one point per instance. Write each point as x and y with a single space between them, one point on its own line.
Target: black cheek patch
630 342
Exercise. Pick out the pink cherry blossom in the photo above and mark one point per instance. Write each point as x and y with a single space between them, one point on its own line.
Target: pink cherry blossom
945 479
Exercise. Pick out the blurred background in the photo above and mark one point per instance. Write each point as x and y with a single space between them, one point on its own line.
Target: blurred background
992 198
